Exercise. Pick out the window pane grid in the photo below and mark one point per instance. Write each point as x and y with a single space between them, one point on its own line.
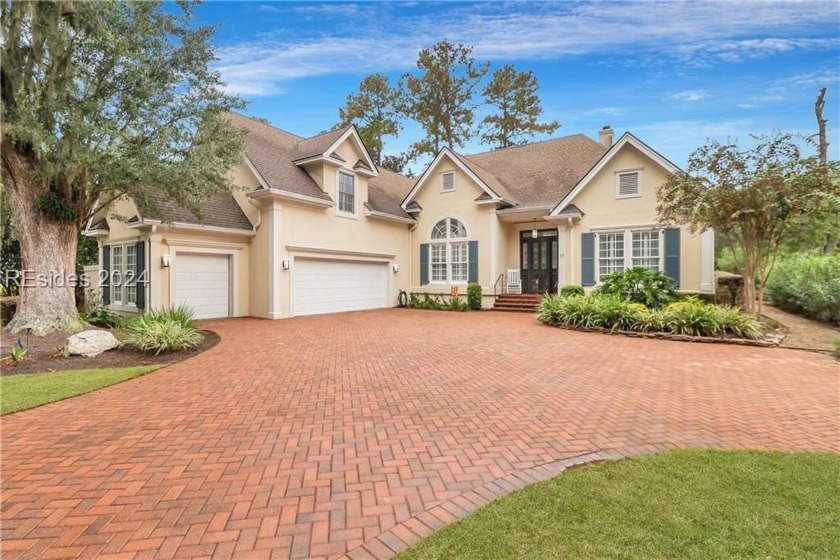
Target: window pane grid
130 273
346 193
438 262
116 274
646 249
610 253
449 260
460 262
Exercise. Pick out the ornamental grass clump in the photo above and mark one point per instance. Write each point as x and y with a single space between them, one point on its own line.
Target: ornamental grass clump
164 330
690 316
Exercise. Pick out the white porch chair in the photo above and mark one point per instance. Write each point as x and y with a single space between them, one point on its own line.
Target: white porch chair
514 282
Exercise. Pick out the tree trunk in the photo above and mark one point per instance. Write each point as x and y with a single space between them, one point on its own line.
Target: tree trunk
48 252
830 242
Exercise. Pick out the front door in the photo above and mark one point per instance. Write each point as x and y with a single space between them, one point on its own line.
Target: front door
538 258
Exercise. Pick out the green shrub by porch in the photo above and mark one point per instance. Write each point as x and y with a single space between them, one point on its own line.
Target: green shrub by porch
571 290
474 293
651 288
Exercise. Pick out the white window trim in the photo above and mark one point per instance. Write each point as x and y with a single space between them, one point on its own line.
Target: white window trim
628 248
338 210
448 242
442 181
618 175
121 304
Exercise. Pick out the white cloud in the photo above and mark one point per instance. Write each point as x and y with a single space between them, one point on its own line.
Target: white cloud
665 33
268 8
814 79
690 95
608 112
747 105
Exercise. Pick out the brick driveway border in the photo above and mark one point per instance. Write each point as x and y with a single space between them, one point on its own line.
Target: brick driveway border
359 434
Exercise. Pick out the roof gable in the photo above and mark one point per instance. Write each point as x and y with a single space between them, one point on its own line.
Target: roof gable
469 170
625 140
352 135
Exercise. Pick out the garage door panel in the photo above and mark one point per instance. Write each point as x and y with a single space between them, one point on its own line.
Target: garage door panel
202 282
332 286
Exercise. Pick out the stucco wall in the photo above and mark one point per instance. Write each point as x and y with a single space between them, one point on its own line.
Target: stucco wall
459 204
602 210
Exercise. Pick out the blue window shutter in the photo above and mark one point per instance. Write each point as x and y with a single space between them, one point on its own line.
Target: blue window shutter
106 274
473 257
587 259
140 302
672 254
424 264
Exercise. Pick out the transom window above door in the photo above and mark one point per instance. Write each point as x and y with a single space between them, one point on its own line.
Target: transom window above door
449 252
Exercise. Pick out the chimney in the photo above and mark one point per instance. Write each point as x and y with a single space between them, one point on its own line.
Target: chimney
606 136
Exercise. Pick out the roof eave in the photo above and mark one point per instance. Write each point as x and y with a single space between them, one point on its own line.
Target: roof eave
287 195
376 214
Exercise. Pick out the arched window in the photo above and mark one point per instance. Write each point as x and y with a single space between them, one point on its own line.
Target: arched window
449 258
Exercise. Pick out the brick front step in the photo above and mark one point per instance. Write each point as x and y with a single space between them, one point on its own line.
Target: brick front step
517 302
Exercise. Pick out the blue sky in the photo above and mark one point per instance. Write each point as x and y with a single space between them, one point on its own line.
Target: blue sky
673 73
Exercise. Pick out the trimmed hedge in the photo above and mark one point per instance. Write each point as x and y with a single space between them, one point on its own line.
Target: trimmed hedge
474 293
808 285
689 316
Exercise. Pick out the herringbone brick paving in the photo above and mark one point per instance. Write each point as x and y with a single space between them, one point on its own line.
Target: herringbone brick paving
360 433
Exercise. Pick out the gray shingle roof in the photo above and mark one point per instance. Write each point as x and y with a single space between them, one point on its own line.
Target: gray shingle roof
273 152
386 192
217 210
538 174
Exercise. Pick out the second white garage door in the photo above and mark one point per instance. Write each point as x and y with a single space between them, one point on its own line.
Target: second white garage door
332 286
202 281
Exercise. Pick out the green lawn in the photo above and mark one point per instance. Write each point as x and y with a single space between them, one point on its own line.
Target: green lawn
680 504
28 390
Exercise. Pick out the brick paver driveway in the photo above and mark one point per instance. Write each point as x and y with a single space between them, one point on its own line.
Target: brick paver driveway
359 433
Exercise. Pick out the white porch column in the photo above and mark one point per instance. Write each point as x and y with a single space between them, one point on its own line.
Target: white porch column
561 258
494 246
155 273
707 261
275 259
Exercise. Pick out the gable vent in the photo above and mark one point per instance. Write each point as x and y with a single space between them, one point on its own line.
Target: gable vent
448 182
628 184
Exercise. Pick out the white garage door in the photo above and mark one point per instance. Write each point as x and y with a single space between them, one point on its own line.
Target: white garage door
325 286
203 283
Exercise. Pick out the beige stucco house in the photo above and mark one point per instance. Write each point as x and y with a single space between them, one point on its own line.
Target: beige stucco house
315 227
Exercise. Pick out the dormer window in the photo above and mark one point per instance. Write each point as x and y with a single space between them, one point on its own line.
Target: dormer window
628 184
447 181
346 193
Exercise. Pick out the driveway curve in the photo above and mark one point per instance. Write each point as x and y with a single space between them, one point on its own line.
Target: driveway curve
358 434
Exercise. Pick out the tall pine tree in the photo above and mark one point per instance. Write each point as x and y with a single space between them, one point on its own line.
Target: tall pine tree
517 106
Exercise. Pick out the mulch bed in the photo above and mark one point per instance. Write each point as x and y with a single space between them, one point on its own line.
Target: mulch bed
46 354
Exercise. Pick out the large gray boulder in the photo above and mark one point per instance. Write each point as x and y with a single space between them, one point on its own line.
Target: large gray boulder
90 343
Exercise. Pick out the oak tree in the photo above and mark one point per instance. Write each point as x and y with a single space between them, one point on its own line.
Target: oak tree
102 100
517 108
